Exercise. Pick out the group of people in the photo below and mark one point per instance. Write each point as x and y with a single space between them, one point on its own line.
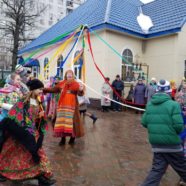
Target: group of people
22 129
138 95
23 124
112 91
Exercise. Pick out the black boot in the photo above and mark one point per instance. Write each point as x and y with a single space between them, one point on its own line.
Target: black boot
43 181
62 142
94 118
2 178
71 141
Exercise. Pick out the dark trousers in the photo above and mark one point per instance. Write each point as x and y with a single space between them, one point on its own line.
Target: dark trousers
159 166
105 108
116 106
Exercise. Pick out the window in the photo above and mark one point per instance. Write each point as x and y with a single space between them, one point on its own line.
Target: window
127 73
69 11
46 68
70 3
78 66
35 71
127 54
60 69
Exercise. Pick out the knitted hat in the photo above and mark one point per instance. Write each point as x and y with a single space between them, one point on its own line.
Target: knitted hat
19 69
163 86
35 84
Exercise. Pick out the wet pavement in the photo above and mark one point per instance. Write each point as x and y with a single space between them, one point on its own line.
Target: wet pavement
114 152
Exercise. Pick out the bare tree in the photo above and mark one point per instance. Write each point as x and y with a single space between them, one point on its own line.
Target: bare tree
21 16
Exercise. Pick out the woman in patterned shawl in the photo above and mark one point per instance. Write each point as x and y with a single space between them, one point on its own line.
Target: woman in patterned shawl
22 156
10 94
68 118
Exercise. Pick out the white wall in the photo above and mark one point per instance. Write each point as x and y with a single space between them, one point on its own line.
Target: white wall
120 42
160 55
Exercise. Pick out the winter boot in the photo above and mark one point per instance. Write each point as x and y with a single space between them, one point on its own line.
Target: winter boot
43 181
71 141
94 118
62 142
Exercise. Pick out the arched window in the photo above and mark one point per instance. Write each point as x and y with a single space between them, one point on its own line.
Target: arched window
127 60
127 56
46 68
59 68
78 65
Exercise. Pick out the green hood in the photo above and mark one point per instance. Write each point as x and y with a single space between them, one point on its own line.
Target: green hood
160 98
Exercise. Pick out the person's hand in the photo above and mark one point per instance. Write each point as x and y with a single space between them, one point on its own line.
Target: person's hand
41 114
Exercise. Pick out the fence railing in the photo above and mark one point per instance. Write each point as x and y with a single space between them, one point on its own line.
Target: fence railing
4 73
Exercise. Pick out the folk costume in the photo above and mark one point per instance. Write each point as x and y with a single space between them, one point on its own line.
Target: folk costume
68 118
22 156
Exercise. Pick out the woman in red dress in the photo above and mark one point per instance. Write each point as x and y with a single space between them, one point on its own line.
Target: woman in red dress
68 119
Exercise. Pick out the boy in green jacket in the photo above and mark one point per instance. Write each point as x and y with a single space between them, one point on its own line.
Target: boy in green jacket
164 123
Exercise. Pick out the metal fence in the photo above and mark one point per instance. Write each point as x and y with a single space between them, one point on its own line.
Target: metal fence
4 73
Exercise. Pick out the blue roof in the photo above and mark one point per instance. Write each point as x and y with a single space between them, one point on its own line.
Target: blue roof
32 63
168 16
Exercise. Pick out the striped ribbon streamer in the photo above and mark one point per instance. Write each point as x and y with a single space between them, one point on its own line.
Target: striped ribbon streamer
55 40
59 51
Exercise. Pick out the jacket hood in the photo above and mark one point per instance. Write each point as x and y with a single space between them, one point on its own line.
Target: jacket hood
160 98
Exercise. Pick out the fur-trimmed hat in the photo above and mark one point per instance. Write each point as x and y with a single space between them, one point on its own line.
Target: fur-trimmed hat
163 86
35 84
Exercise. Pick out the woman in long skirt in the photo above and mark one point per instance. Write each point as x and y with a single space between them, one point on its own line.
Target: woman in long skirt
22 156
68 119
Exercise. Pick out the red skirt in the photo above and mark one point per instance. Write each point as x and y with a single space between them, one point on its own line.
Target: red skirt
17 164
